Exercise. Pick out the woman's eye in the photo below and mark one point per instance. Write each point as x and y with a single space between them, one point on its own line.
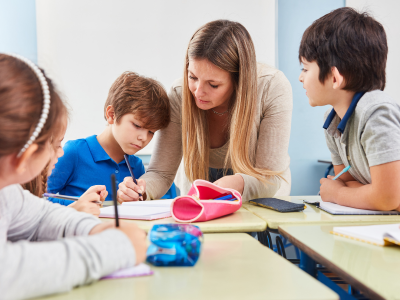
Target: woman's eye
304 70
151 132
137 126
213 86
191 77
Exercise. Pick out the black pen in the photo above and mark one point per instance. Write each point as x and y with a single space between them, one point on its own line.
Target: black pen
114 196
130 171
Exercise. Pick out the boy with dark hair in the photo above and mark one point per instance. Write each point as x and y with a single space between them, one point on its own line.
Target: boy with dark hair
344 56
135 109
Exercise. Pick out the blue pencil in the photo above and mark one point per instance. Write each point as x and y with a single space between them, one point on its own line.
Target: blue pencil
341 173
228 198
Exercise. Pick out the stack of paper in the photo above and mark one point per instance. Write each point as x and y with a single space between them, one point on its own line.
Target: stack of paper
139 210
375 234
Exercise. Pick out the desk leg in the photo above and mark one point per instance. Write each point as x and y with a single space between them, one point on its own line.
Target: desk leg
280 247
307 264
266 239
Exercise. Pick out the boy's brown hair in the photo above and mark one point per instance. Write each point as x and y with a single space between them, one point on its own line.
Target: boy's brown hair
142 96
354 43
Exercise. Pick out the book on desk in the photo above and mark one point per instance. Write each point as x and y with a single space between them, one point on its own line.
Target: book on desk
140 210
381 235
336 209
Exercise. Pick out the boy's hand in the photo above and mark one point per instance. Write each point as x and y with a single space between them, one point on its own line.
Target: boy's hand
87 202
129 191
136 235
329 188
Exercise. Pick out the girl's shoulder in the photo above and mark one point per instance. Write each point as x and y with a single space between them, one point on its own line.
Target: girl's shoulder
11 199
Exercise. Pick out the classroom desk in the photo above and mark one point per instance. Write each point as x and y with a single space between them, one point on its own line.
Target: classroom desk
314 216
372 269
240 221
231 266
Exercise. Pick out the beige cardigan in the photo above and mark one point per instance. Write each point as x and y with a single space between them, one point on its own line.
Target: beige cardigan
270 130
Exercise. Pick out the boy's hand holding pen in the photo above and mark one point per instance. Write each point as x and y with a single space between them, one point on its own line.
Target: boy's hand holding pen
330 186
131 189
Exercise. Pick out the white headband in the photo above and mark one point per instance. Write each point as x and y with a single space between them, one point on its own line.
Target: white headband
46 101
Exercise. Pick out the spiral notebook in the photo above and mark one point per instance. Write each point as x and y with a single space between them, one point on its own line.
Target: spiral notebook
139 210
336 209
381 235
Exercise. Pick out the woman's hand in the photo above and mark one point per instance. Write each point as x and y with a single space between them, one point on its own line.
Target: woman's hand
87 202
136 236
235 182
129 191
329 188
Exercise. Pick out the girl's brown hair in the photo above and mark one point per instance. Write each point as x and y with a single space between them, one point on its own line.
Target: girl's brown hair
227 45
21 102
38 186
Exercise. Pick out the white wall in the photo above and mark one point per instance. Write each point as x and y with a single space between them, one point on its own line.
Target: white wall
85 45
387 13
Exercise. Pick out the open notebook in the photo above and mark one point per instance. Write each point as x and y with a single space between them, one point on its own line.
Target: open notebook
336 209
139 210
382 235
139 270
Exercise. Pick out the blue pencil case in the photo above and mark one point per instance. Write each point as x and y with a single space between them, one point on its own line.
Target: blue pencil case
174 245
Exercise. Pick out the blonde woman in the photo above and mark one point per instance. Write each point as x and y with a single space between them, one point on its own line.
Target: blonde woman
230 121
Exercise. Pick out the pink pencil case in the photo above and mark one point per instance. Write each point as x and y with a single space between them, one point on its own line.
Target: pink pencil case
199 204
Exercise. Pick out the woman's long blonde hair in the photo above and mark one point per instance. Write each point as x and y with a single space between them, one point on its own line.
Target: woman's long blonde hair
227 45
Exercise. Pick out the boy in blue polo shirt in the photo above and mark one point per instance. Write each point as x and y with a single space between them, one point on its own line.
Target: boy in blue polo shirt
136 107
344 56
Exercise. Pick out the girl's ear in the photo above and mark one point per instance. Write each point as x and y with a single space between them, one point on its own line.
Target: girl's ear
21 162
110 114
337 79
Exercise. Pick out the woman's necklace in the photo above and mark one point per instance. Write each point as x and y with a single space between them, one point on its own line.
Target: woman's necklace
218 113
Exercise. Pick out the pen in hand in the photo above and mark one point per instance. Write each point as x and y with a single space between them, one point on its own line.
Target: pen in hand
341 173
130 171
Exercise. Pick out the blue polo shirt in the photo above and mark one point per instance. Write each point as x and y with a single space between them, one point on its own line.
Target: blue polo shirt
84 164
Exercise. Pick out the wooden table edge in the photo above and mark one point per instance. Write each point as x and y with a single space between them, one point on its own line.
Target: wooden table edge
227 229
275 225
331 266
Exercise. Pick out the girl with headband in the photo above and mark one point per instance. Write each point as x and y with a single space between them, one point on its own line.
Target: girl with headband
71 248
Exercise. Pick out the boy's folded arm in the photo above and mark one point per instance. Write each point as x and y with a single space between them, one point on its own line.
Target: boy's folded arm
37 269
382 194
346 177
